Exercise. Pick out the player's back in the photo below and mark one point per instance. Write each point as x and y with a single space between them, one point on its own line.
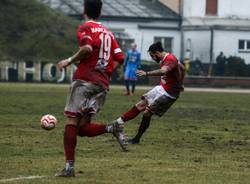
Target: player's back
173 80
98 66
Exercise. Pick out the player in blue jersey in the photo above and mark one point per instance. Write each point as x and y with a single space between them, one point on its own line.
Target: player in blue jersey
132 63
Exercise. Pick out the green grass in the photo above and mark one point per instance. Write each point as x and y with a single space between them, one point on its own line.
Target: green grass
203 139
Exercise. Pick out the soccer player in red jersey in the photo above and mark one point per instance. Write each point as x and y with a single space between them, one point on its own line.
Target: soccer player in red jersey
159 99
97 55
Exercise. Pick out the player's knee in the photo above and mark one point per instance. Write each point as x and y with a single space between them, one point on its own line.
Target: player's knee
147 113
141 105
82 130
84 120
72 121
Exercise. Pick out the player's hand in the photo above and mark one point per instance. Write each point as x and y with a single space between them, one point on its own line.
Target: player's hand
141 73
64 63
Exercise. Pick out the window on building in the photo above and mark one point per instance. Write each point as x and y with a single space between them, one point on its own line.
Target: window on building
123 38
244 45
211 7
248 45
166 42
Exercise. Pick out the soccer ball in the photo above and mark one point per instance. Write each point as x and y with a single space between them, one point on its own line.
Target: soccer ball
48 122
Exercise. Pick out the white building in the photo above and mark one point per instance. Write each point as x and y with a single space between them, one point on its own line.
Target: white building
140 21
212 26
188 28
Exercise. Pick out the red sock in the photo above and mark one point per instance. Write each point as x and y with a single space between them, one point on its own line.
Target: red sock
70 140
92 130
130 114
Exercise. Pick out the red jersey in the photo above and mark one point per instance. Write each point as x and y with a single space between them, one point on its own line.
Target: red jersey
172 82
98 66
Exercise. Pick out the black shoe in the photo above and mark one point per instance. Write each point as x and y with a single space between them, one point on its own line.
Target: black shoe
133 141
66 173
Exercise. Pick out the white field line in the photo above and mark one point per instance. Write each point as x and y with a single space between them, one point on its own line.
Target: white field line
21 178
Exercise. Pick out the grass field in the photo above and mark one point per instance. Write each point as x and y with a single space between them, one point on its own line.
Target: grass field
203 139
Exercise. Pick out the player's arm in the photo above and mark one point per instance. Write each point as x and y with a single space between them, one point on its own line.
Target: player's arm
82 53
85 42
160 72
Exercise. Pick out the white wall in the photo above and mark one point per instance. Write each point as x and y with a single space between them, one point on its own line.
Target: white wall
144 37
194 8
200 45
227 42
238 8
226 8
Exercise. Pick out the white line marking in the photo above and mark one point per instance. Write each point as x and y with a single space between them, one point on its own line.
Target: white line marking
21 178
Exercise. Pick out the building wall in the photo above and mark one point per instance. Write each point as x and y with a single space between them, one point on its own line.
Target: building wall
227 42
224 40
226 8
234 8
194 8
199 47
144 37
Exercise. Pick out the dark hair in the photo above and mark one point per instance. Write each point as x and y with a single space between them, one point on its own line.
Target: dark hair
92 8
155 47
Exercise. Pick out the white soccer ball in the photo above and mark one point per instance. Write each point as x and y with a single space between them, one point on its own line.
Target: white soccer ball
48 122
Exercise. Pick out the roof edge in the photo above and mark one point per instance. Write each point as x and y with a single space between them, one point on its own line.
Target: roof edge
132 18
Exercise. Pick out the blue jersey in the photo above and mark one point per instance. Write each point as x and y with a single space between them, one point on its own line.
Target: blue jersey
132 62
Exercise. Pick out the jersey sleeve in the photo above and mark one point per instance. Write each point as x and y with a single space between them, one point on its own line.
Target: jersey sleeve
171 63
84 36
117 52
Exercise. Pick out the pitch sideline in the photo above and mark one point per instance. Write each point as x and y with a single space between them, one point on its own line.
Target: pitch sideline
21 178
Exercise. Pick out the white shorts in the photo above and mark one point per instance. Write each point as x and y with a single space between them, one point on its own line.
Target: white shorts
155 93
159 101
84 98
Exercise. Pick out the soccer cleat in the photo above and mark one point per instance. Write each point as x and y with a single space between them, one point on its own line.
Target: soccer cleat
118 133
66 173
133 141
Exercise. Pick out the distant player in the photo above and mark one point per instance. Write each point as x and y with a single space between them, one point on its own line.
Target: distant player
132 62
97 53
159 99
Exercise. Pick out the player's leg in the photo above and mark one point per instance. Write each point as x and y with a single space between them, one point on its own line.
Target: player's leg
147 99
132 113
86 130
70 141
145 122
133 83
158 104
91 107
127 84
72 111
92 129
